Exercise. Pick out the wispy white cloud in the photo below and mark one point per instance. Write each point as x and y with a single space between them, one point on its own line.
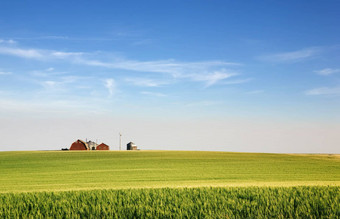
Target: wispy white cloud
49 84
5 73
332 91
156 94
39 54
23 53
47 72
64 55
211 78
172 67
294 56
144 82
10 41
59 83
53 37
110 84
327 71
209 72
239 81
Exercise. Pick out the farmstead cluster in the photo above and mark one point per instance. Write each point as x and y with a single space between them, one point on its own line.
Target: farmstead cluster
90 145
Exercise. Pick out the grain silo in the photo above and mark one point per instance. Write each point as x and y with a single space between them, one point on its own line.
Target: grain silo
131 146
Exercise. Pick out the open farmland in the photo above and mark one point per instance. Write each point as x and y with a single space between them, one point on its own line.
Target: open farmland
87 170
141 184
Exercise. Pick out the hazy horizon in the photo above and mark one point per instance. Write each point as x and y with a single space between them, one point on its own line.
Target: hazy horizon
260 76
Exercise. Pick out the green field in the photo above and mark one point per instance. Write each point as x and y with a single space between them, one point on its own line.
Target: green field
245 202
87 170
168 184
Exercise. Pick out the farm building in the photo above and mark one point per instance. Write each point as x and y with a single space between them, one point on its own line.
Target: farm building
102 146
79 145
91 145
131 146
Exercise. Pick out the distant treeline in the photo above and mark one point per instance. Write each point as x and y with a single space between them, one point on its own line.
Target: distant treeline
247 202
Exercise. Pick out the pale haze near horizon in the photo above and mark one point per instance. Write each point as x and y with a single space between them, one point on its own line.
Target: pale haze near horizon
171 75
235 135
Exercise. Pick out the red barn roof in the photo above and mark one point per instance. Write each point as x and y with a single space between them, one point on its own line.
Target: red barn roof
102 146
79 145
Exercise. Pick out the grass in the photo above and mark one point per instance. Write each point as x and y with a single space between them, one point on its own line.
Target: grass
35 171
248 202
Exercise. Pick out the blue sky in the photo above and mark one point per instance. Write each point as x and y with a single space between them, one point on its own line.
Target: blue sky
228 64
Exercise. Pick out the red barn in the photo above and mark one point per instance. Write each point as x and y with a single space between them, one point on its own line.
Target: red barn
79 145
102 146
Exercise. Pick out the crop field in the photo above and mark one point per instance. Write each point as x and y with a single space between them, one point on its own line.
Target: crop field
246 202
83 170
127 184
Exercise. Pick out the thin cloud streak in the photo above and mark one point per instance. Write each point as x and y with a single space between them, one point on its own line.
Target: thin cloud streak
65 55
10 41
47 72
327 71
143 82
240 81
209 72
212 78
176 69
5 73
52 37
60 83
39 54
195 71
332 91
23 53
294 56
